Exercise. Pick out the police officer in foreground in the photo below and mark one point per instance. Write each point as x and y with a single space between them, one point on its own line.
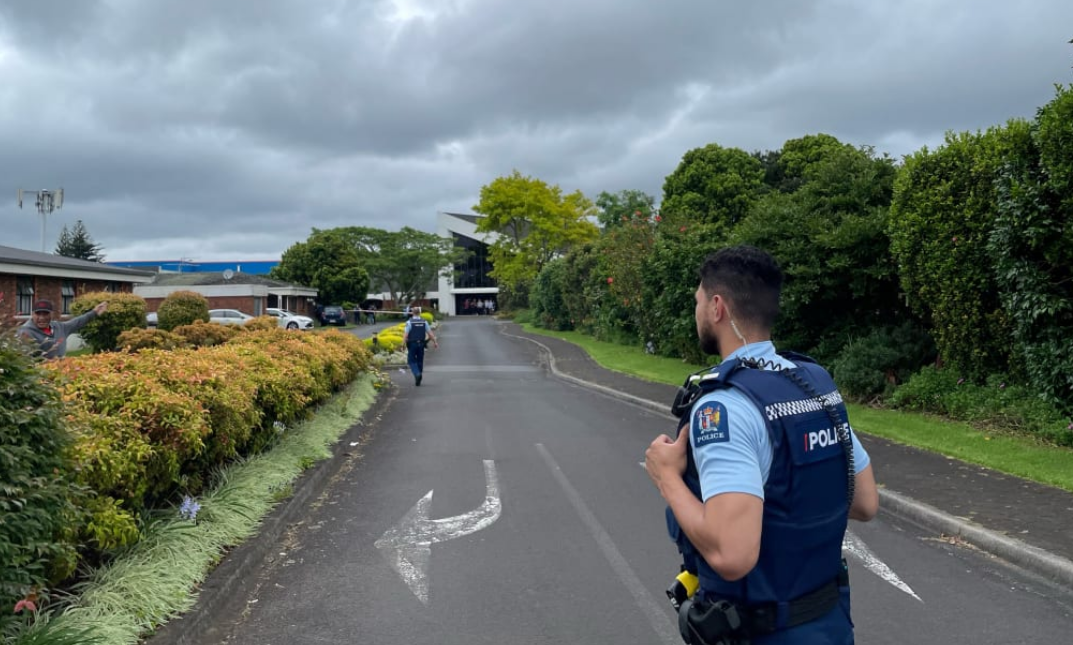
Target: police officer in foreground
763 475
417 334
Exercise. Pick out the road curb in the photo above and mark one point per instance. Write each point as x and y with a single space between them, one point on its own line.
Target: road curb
223 583
1044 564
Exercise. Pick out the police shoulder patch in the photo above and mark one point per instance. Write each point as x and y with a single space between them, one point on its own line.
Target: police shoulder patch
710 424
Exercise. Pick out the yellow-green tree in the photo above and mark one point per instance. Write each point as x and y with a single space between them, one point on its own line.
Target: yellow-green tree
535 223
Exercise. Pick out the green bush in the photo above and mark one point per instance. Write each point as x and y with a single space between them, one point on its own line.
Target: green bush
182 308
872 366
36 508
546 297
125 311
994 404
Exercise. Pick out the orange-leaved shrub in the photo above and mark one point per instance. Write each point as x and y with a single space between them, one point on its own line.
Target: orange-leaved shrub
205 334
151 425
135 340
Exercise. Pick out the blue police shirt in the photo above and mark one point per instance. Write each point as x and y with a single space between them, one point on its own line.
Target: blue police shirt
730 440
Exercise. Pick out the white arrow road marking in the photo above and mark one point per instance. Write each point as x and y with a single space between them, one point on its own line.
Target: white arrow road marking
408 544
858 548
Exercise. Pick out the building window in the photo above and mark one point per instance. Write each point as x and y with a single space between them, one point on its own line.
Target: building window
68 291
112 287
25 289
473 273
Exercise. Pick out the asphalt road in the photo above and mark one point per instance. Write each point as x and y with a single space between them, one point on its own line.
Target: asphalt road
496 504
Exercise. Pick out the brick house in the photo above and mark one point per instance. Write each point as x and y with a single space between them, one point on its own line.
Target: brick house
26 276
248 293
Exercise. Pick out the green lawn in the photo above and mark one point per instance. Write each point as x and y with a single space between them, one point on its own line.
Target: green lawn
1021 456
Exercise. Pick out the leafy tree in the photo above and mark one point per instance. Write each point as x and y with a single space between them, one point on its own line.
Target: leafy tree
713 184
405 262
830 239
942 217
1032 248
125 311
327 263
77 243
535 223
623 206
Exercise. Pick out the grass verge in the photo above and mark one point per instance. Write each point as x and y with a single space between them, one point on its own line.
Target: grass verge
1021 456
156 578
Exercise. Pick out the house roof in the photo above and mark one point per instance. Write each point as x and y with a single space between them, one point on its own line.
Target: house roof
11 255
472 219
205 278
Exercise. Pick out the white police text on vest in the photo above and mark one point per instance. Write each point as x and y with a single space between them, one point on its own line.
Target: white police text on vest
822 438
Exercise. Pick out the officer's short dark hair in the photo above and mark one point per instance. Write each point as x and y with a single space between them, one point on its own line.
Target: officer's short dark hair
749 279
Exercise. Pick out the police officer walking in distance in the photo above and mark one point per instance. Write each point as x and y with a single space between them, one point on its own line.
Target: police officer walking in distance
763 476
417 334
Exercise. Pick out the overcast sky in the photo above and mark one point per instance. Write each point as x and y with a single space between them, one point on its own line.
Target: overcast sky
227 129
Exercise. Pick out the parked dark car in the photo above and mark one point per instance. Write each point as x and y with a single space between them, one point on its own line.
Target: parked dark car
332 315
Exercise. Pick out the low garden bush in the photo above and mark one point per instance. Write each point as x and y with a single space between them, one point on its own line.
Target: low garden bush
125 311
134 340
182 308
996 403
202 333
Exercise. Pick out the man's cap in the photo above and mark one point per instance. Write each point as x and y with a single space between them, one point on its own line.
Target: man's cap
42 305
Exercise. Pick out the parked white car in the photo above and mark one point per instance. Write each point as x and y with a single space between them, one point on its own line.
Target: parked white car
228 317
289 319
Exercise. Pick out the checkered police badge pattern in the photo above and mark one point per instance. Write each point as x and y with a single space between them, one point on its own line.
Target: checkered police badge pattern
801 406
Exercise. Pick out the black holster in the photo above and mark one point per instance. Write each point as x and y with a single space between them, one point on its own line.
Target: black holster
711 623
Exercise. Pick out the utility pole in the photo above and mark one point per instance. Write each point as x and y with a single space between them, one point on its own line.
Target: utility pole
46 202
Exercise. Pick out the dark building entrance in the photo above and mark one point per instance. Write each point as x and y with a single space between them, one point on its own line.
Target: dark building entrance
481 304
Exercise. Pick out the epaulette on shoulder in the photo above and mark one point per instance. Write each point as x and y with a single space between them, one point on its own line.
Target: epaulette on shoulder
700 383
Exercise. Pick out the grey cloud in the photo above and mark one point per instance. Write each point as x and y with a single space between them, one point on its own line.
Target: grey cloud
207 128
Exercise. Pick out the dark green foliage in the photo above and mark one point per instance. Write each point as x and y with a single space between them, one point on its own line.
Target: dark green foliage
669 281
1032 249
996 403
125 311
35 494
546 298
623 206
830 239
712 185
182 308
77 243
871 367
942 218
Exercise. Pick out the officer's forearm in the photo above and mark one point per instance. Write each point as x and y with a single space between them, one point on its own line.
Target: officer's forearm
689 511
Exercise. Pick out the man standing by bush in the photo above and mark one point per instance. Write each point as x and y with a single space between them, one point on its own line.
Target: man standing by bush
418 333
51 335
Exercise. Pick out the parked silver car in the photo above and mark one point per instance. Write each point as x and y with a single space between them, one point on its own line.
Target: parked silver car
289 319
228 317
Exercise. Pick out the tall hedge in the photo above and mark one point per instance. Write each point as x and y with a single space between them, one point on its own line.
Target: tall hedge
1032 248
942 218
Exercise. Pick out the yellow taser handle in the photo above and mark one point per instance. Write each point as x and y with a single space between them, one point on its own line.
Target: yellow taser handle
690 581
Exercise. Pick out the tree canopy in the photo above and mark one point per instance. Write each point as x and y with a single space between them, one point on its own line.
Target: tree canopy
77 243
535 223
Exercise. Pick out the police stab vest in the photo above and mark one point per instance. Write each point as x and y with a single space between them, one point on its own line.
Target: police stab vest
806 496
418 328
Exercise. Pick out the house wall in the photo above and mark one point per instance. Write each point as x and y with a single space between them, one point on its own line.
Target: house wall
50 288
246 304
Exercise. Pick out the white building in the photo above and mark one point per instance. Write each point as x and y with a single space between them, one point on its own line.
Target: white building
471 289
